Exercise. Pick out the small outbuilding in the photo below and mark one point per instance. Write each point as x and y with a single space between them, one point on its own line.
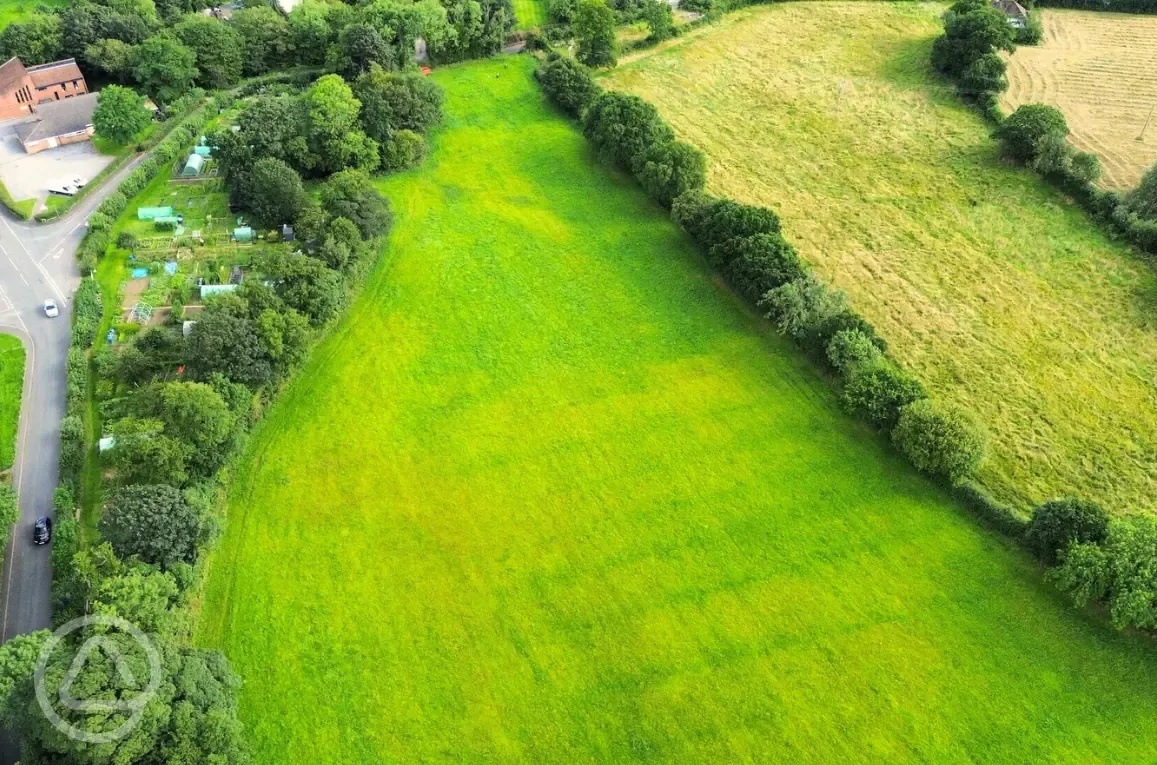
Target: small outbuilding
1016 13
152 213
203 151
243 234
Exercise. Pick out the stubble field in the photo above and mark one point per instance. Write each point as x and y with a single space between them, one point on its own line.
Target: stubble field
1100 69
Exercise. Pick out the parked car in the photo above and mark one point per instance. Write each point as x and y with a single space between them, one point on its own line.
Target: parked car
50 309
42 531
63 189
79 182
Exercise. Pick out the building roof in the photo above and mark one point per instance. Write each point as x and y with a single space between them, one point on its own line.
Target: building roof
11 73
55 73
71 115
1010 8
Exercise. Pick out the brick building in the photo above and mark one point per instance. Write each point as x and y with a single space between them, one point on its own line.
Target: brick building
22 88
58 123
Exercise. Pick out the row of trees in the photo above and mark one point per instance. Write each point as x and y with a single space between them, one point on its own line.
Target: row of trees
165 50
746 245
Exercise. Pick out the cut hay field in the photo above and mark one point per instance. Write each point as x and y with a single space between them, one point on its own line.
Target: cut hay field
550 494
996 291
1100 69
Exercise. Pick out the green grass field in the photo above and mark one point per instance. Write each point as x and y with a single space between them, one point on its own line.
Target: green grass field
551 494
529 13
994 289
17 10
11 391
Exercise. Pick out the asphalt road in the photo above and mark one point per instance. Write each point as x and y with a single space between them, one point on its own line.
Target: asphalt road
37 261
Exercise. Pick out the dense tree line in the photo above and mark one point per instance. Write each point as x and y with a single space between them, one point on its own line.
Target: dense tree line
164 49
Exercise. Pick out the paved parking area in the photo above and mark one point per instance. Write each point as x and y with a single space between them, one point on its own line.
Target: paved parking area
29 175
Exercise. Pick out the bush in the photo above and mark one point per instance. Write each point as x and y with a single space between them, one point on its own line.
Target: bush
113 205
164 225
1029 129
1120 571
878 392
405 149
1032 32
567 83
942 441
986 74
153 523
669 170
996 515
762 263
850 349
1057 524
126 241
623 128
801 307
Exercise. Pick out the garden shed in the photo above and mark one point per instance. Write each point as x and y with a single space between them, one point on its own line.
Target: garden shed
152 213
193 165
203 151
243 234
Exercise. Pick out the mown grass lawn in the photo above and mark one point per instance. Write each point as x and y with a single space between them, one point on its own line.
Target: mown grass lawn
13 11
550 494
529 13
999 293
11 391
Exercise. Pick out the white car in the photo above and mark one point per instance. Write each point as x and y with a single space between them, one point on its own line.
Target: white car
78 182
50 309
65 190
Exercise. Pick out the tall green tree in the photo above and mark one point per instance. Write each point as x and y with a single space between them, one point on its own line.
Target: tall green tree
268 41
335 134
594 28
281 194
152 522
392 102
120 114
164 68
218 49
359 47
36 40
112 57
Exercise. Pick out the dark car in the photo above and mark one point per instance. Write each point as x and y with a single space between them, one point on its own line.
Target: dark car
42 531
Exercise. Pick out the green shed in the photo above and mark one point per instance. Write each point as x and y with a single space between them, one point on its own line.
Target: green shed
243 234
203 151
193 165
151 213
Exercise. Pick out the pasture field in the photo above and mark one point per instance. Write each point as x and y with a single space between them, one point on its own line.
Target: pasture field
529 13
11 391
1100 69
994 289
551 494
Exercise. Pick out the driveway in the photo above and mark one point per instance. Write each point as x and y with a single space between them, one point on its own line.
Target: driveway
28 176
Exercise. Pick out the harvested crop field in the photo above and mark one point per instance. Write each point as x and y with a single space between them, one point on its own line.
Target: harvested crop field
1100 69
994 289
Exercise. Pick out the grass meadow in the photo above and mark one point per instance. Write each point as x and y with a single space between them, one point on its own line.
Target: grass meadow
17 10
551 494
994 289
11 391
529 13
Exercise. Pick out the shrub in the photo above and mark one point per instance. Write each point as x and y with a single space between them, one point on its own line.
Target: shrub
561 11
878 392
985 75
98 221
405 149
972 30
164 225
800 307
1120 571
942 441
623 127
660 20
1057 524
851 348
995 514
113 205
1030 129
669 170
762 263
126 241
1032 32
567 83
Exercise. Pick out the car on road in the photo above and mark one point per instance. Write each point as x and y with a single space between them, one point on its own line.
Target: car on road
42 531
50 309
